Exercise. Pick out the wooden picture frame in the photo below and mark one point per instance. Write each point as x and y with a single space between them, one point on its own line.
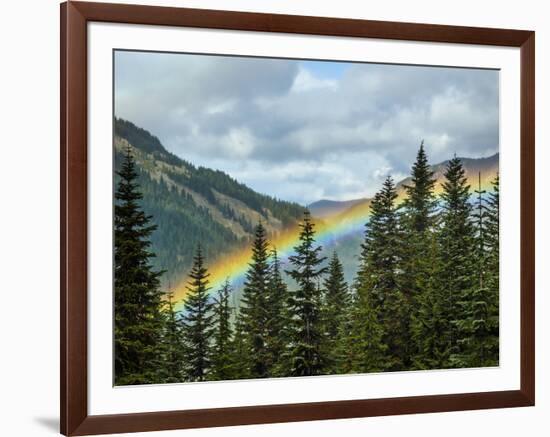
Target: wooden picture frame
75 419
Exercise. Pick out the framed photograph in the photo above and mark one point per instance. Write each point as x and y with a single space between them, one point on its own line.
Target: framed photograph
272 218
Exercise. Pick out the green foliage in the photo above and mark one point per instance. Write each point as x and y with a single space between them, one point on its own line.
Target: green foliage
254 311
428 325
222 359
278 317
366 342
456 254
306 336
347 352
335 312
198 322
418 221
240 353
478 344
420 202
171 346
379 273
138 299
492 258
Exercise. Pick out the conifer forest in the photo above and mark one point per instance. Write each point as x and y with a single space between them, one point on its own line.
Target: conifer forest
424 293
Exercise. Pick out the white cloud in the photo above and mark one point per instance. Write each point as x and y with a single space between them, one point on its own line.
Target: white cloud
239 142
220 108
305 81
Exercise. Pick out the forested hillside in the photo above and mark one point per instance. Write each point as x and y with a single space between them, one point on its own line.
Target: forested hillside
194 204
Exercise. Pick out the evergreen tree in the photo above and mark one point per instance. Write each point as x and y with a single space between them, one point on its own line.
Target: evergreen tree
240 355
277 316
138 298
477 342
420 202
347 353
305 356
492 266
222 363
172 346
369 349
428 326
198 321
457 237
254 310
335 312
379 273
417 223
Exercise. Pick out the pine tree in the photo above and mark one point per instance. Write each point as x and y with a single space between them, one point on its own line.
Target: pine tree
254 309
240 354
277 316
456 240
428 327
477 342
305 355
335 311
138 298
172 346
222 364
492 266
417 222
367 342
492 232
198 321
420 202
378 276
347 352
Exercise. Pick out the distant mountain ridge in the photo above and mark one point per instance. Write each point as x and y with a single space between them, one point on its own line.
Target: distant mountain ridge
324 207
487 167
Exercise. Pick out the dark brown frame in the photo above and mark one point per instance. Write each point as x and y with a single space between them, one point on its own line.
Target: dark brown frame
74 414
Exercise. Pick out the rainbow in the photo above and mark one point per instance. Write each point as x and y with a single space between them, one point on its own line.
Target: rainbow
233 265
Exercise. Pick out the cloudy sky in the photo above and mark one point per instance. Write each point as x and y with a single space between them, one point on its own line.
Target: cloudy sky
307 130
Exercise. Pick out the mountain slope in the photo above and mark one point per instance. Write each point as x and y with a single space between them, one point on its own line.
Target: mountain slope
488 167
324 208
194 204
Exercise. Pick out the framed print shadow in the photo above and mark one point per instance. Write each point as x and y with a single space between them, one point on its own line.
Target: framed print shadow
274 218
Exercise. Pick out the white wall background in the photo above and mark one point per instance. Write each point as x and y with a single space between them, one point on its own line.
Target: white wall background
29 240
